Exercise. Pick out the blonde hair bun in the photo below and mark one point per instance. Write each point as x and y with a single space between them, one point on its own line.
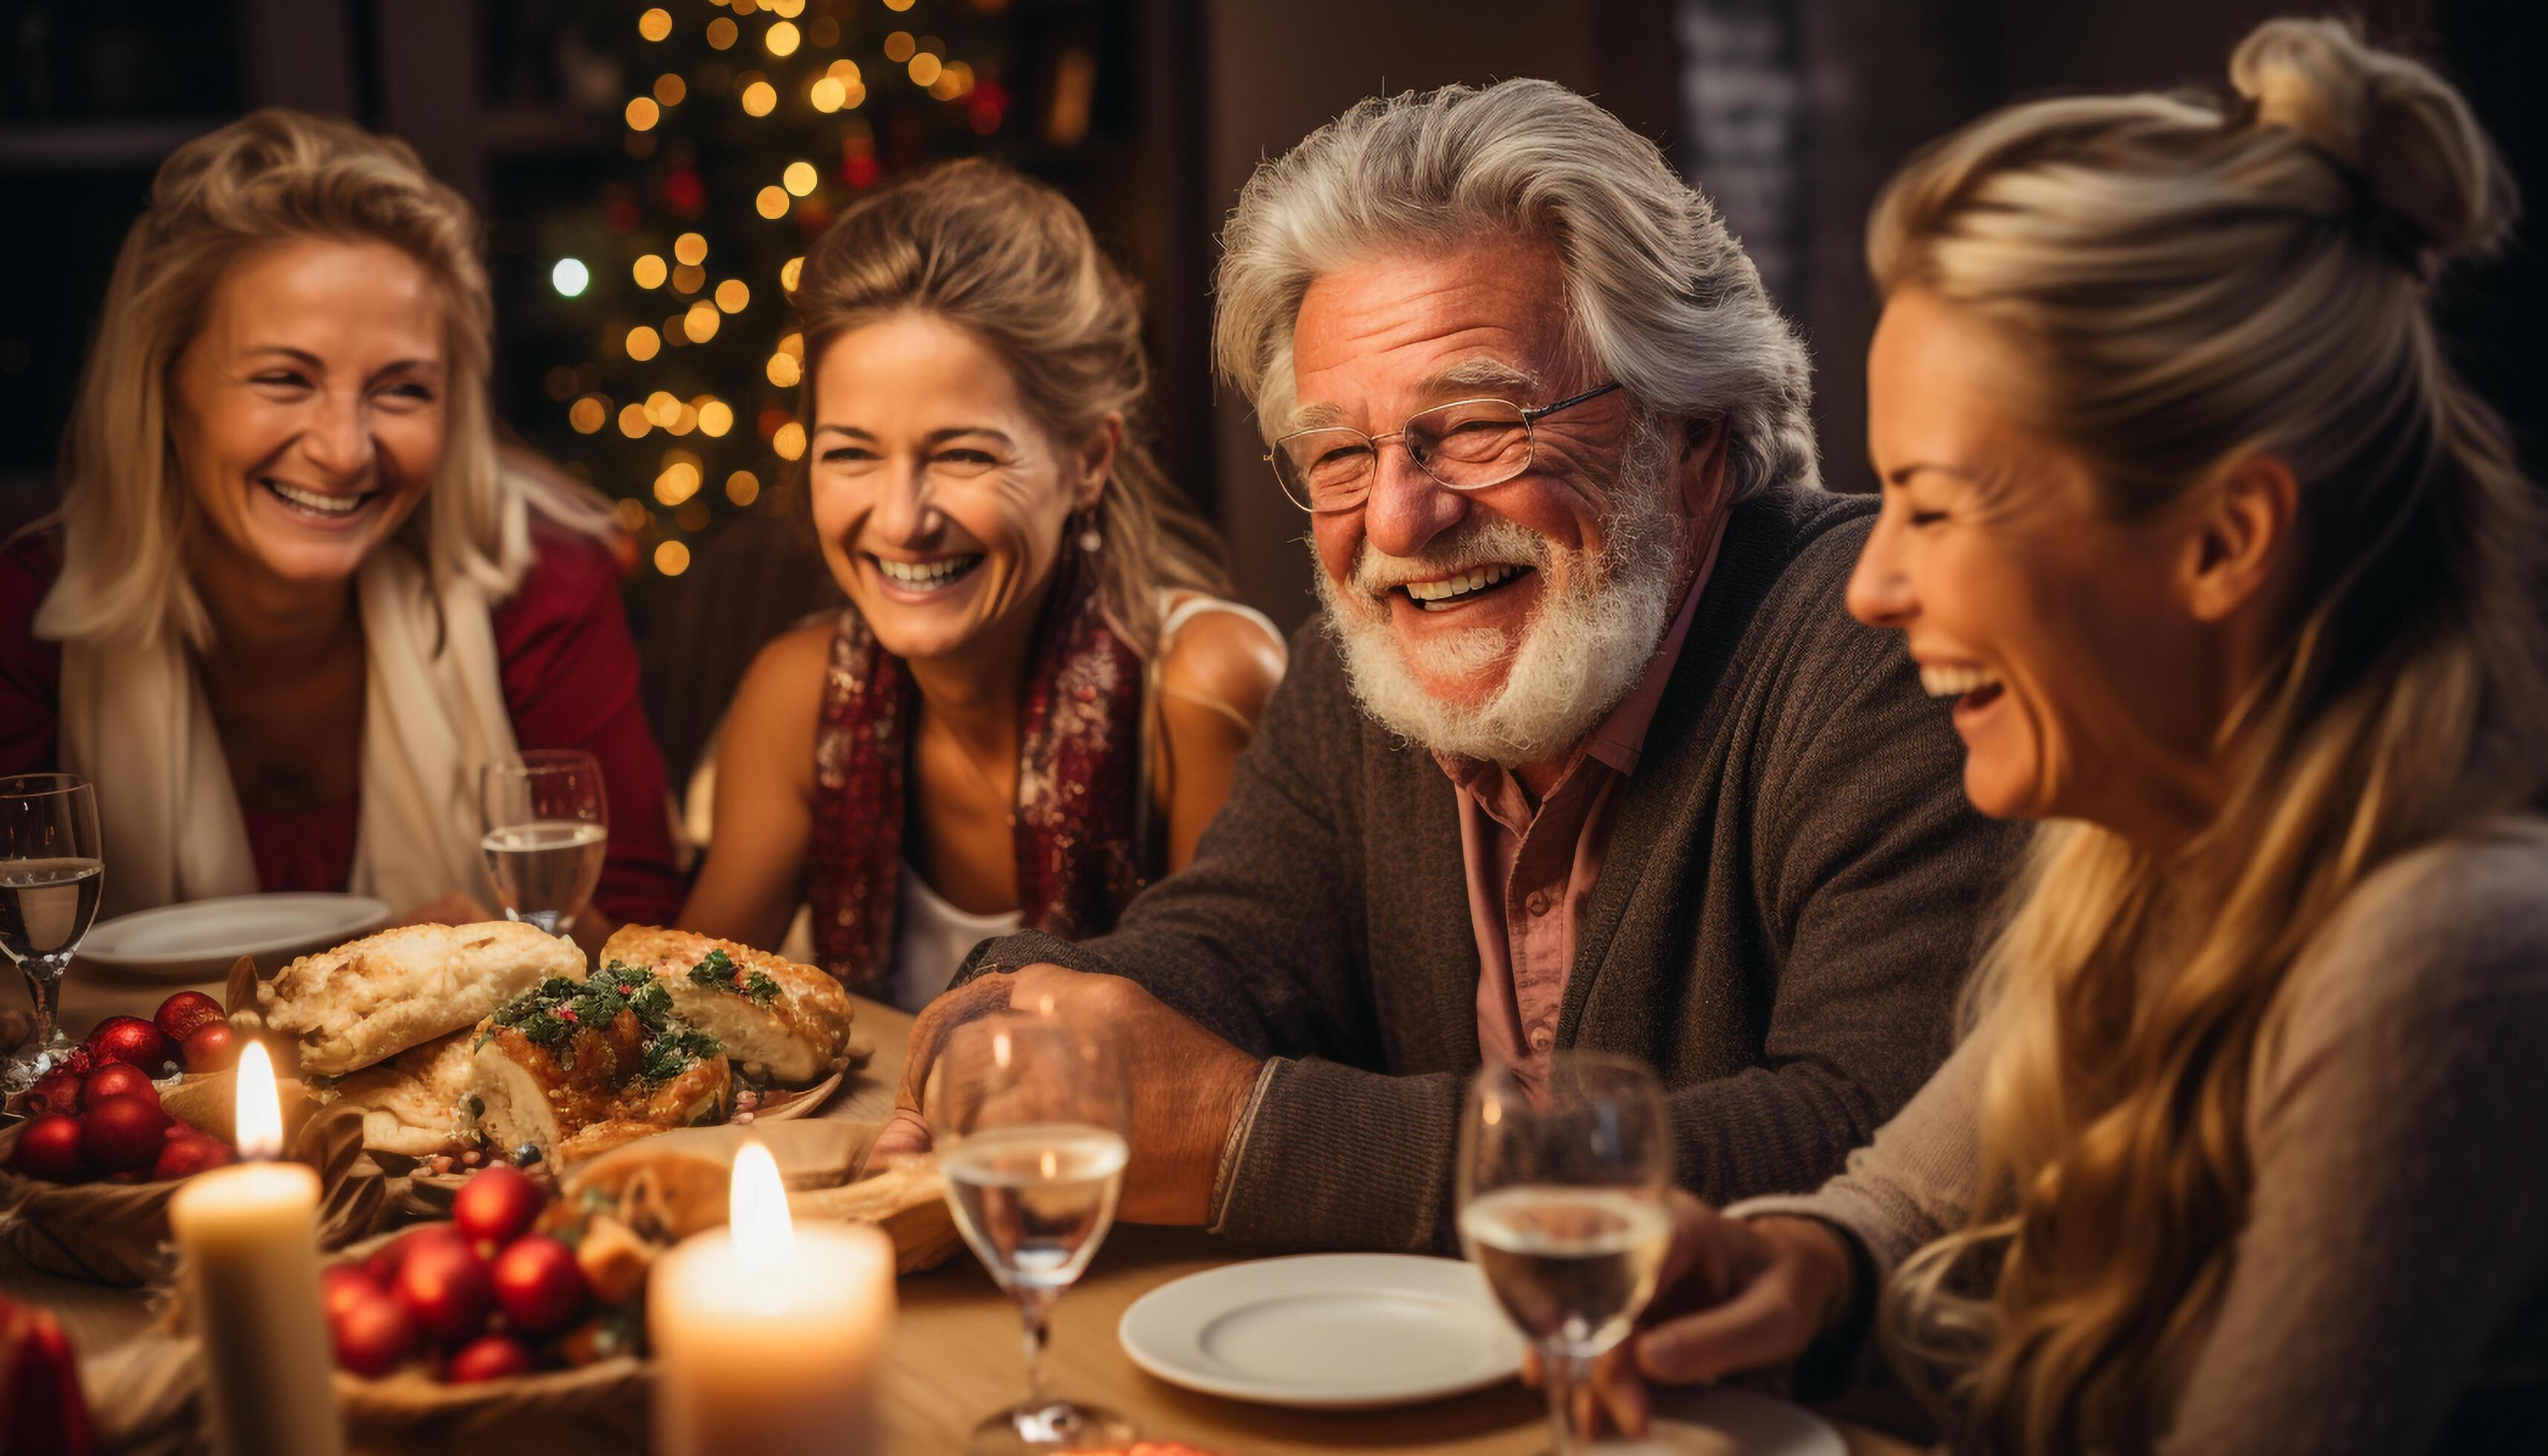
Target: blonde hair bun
2401 128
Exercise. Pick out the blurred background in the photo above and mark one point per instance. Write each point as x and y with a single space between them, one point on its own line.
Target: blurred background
649 174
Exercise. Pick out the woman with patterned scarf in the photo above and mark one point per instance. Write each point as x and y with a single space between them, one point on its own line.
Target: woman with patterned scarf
1031 706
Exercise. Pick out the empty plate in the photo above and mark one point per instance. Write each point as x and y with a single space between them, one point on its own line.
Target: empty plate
1724 1421
197 941
1326 1331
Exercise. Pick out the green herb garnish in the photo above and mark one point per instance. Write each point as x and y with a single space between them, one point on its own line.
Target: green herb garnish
674 1052
717 970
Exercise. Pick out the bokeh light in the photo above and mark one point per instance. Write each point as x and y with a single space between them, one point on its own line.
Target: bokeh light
789 441
772 202
649 271
924 68
570 276
643 114
743 487
661 409
782 39
700 324
670 89
789 272
690 278
897 4
732 295
633 422
679 481
785 371
722 33
799 178
655 24
671 558
759 99
632 514
827 95
589 414
691 248
717 417
899 46
644 343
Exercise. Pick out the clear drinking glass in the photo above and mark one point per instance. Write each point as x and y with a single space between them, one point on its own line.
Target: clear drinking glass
547 830
1028 1113
1562 1208
51 870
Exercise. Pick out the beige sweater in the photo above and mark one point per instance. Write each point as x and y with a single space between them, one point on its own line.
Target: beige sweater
2390 1293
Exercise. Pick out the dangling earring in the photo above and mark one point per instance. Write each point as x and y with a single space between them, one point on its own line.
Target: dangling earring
1089 539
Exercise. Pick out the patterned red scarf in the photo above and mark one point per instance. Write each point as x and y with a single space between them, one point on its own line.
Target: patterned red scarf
1080 802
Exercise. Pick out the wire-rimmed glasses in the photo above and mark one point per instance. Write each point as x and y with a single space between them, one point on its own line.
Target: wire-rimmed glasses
1466 445
52 871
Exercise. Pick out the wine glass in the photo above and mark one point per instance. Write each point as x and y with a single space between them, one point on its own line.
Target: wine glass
1029 1116
51 870
1561 1192
547 830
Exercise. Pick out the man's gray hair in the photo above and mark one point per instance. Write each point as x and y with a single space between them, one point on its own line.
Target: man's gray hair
1656 292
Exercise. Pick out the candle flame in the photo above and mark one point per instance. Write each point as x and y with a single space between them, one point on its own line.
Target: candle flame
257 1117
765 1239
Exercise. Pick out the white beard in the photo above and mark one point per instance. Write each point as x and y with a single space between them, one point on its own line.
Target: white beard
1572 662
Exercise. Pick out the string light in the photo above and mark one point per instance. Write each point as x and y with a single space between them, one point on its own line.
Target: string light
722 33
643 114
702 322
691 248
589 414
827 95
782 39
717 417
656 24
772 202
732 295
671 558
799 178
924 68
743 487
633 422
679 482
644 343
789 441
649 271
759 99
661 411
570 276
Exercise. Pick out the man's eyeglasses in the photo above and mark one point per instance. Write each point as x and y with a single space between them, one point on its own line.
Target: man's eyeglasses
1466 444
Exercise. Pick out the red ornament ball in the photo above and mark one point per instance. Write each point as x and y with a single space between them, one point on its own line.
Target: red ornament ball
343 1286
538 1284
52 1092
123 1135
372 1333
130 1040
491 1358
497 1204
212 1048
117 1079
446 1288
186 1013
50 1149
189 1153
383 1264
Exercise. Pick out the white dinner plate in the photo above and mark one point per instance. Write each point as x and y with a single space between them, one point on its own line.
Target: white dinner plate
1326 1331
1724 1421
197 941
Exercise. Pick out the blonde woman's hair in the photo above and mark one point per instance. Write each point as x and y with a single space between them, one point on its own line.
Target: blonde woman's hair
2190 283
1659 296
1012 262
269 178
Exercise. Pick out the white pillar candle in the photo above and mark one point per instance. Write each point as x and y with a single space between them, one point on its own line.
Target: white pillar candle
766 1336
249 1234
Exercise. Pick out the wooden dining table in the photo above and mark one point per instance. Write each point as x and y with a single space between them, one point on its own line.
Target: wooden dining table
957 1353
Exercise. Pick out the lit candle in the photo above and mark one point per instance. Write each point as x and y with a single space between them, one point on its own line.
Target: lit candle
251 1238
766 1336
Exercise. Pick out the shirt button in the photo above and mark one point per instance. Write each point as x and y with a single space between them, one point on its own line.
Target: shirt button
1540 1039
1538 902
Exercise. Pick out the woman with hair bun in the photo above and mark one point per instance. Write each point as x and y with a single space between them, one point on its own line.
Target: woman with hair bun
1035 699
295 596
2234 583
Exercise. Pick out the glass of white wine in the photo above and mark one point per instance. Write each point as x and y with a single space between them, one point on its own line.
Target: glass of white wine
546 827
1561 1189
52 872
1028 1113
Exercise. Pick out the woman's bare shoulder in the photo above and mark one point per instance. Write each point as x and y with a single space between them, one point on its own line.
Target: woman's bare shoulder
1224 661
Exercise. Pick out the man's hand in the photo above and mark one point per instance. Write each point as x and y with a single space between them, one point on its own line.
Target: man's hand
1735 1295
1185 1085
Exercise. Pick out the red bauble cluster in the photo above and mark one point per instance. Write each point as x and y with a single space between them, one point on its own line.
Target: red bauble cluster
109 1124
483 1289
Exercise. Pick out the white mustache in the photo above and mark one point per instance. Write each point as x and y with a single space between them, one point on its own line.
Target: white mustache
1488 541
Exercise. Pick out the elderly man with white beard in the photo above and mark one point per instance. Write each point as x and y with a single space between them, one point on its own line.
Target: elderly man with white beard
1583 750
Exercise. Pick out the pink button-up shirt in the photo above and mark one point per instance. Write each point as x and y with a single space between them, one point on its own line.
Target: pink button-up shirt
1531 870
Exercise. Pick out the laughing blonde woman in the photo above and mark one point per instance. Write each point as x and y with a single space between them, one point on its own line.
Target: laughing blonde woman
2233 579
294 598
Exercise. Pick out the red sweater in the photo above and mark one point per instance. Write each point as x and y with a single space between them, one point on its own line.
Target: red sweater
570 671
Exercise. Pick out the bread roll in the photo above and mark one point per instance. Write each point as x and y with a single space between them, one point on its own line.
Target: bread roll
371 999
792 1021
417 1102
